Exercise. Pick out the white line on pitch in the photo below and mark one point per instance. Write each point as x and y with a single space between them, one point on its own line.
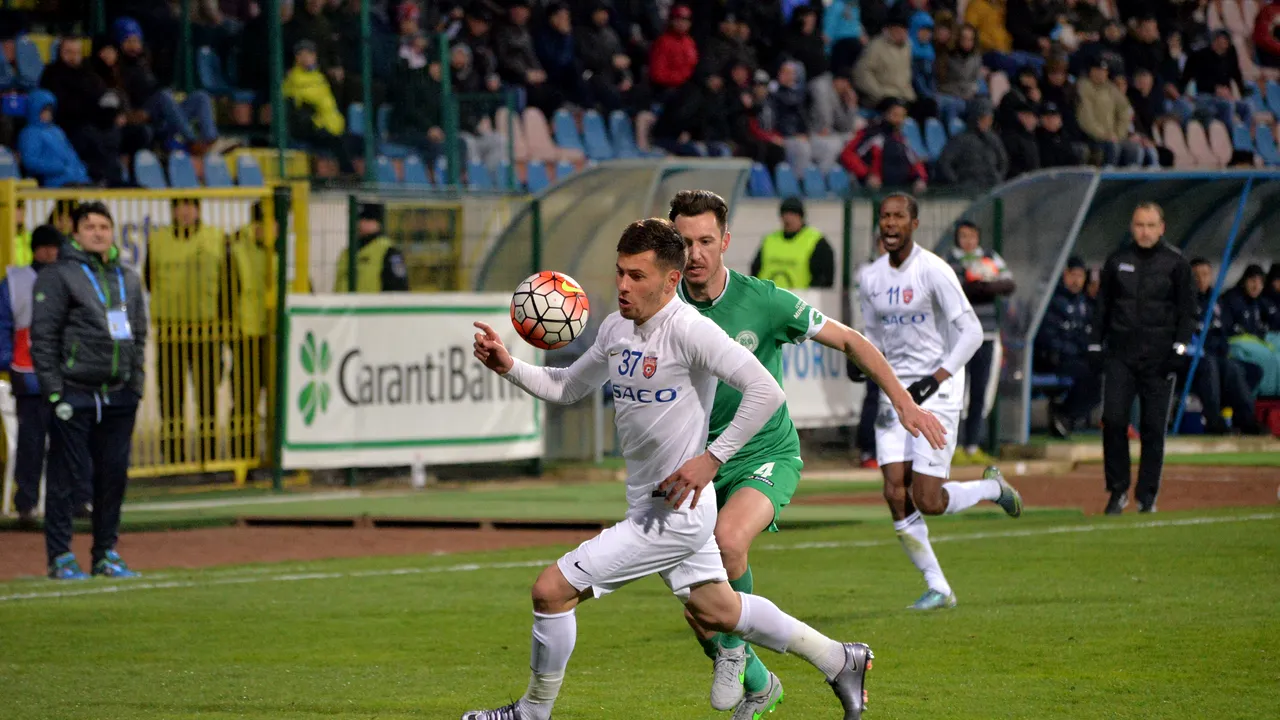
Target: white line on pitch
126 586
232 502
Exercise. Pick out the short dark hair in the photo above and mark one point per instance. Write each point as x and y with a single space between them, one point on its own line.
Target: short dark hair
90 208
1198 261
913 207
1151 206
657 235
692 203
966 224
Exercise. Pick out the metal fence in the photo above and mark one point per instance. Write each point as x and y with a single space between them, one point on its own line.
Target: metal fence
209 262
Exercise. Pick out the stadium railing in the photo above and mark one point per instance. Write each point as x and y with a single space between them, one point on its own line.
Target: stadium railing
208 403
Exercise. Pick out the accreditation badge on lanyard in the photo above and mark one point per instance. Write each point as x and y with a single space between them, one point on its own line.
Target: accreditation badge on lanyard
117 317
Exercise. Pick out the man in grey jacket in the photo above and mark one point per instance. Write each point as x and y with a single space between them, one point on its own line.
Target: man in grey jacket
975 159
88 332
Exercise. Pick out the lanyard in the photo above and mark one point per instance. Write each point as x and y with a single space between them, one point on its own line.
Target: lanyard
98 288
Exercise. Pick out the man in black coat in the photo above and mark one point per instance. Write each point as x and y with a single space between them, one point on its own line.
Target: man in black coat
1218 377
1144 322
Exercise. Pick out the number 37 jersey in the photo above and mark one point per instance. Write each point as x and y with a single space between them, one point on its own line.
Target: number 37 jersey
908 311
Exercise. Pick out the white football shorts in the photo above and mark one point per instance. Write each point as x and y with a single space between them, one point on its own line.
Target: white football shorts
894 444
679 546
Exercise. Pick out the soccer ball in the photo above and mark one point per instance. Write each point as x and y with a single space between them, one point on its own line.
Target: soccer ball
549 309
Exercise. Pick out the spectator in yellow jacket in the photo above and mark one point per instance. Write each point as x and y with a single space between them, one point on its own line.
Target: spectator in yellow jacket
314 117
988 16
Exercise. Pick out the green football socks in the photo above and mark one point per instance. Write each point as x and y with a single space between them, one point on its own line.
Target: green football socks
756 677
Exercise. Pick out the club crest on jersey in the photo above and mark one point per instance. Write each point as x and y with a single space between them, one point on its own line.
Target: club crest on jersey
650 366
907 294
748 340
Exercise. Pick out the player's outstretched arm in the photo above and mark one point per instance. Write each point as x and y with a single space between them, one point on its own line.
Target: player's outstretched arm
873 364
733 364
562 386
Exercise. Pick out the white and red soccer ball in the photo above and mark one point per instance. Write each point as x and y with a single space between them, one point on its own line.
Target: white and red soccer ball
549 309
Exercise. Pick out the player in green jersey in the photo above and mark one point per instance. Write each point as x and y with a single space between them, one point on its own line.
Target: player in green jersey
753 487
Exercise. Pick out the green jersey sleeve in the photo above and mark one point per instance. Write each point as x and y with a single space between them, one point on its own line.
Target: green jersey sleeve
795 319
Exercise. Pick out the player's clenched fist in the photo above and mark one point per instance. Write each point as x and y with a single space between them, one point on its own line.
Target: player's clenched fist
488 349
919 421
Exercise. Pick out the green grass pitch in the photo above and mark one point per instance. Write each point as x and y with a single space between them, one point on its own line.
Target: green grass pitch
1166 616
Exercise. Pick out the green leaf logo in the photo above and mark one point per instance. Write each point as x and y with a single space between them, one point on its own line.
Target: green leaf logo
315 394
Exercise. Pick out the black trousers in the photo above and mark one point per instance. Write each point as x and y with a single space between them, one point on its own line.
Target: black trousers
34 414
1218 379
979 371
1086 390
94 441
1153 388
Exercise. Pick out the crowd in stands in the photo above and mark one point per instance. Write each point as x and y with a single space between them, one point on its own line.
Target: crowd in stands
912 92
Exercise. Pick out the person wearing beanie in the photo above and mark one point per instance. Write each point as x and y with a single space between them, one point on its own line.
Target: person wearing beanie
88 334
380 266
1061 348
16 300
1245 313
190 124
798 256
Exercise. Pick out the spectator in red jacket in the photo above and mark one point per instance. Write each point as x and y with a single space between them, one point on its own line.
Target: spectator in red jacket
1266 35
879 155
674 56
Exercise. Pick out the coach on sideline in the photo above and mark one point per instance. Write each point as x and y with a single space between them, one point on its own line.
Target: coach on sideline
1143 324
88 332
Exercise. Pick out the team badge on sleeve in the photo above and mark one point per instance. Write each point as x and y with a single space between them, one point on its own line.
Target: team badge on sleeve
650 366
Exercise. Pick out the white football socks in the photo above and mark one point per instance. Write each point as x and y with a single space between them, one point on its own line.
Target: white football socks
553 640
913 533
964 495
762 623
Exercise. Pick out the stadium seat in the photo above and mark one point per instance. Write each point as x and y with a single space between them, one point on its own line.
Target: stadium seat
1213 18
1266 144
623 134
147 172
384 171
8 166
1240 137
182 172
1248 70
935 137
216 174
1273 97
30 64
838 182
566 131
814 184
415 173
1173 139
999 85
390 149
520 145
564 169
1220 142
1198 145
355 119
915 140
478 177
212 78
784 179
541 147
505 179
957 127
594 137
537 177
248 172
759 184
1233 18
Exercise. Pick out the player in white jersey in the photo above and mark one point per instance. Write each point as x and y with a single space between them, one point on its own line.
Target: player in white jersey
664 360
916 312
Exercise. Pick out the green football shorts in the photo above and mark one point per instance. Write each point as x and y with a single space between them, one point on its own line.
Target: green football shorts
776 478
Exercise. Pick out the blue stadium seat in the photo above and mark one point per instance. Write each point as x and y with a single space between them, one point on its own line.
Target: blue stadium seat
935 137
8 166
1240 137
957 127
415 173
1273 97
504 179
384 171
564 170
1252 94
565 131
182 172
784 179
1267 147
815 186
216 174
759 184
442 170
213 79
838 182
594 138
537 177
8 78
623 134
915 140
13 104
355 119
147 171
248 173
29 63
478 177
